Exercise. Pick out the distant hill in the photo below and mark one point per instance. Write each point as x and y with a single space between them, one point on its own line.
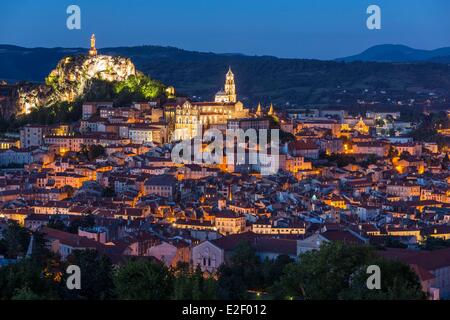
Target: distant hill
285 82
400 53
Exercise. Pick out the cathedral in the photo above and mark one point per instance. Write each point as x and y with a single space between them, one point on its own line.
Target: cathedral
190 116
229 94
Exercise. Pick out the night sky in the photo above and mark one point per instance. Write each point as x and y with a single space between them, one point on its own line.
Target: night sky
323 29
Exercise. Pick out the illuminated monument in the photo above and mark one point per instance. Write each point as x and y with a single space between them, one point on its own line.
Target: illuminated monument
93 51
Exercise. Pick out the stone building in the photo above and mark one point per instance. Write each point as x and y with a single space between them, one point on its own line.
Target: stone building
190 116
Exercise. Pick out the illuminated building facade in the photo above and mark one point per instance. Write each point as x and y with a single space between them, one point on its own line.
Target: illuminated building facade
93 50
190 116
228 95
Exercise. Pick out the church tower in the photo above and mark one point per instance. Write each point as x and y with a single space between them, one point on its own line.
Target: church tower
93 50
230 194
271 111
229 93
230 87
259 111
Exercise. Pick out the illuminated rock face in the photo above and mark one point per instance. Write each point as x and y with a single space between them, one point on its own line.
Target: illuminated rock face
33 96
72 77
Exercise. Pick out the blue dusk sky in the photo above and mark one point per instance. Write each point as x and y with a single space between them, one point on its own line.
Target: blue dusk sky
322 29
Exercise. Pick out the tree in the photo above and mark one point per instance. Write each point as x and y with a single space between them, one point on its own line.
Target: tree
96 276
371 159
108 192
445 162
41 251
92 152
405 155
379 122
95 151
25 294
57 223
432 243
231 285
139 87
192 285
28 278
143 280
286 137
86 221
338 271
84 150
242 273
392 242
57 113
15 240
246 271
398 282
341 160
392 152
70 191
272 270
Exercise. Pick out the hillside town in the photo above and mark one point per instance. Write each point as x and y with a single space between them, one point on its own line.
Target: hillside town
108 182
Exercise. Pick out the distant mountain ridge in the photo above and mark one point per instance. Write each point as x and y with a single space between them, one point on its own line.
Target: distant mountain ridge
400 53
285 82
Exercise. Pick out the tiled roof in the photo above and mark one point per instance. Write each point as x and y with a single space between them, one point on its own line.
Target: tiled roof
259 243
429 260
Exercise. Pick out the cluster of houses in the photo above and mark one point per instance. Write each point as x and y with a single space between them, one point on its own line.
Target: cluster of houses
360 180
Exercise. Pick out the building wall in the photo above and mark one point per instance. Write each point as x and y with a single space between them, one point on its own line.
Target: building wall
207 256
403 191
141 135
442 281
164 252
163 191
230 225
32 136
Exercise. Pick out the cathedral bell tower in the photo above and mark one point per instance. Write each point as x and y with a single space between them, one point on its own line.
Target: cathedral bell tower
229 93
230 87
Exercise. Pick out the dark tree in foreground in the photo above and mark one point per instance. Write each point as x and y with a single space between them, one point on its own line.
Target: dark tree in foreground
241 274
338 271
15 240
96 276
247 272
27 279
192 285
143 280
398 282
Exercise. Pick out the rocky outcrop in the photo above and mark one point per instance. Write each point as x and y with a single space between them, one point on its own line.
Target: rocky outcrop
31 96
8 99
72 78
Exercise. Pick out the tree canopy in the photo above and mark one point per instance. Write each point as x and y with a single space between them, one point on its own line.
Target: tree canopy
143 280
339 271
